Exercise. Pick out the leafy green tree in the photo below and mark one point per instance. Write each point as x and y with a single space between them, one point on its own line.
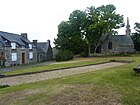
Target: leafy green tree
136 36
69 33
85 28
64 38
99 21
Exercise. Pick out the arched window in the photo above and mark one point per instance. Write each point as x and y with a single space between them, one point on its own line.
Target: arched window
110 45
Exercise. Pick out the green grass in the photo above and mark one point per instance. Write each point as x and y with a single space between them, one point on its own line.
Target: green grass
109 86
57 66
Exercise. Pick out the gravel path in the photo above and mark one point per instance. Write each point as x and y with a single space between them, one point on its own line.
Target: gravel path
17 80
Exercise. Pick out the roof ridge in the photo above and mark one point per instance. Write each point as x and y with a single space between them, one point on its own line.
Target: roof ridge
42 42
9 33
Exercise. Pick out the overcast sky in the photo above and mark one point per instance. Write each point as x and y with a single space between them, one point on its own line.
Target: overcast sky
40 18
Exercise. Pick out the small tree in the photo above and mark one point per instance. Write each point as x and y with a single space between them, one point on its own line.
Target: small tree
2 61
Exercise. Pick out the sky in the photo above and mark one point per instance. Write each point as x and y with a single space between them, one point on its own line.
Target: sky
40 18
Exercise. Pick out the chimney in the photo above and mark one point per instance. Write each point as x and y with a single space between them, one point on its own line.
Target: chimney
48 41
34 41
24 35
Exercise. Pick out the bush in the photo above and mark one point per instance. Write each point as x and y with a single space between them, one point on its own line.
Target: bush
4 86
84 54
64 56
2 61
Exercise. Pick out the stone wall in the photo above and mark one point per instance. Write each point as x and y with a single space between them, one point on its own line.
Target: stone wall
116 48
104 47
8 56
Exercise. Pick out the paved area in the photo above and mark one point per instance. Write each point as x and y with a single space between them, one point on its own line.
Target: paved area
17 80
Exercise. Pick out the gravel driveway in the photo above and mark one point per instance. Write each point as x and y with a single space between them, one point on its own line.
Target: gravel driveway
17 80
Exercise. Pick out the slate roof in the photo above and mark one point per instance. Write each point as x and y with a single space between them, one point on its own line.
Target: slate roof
1 44
103 37
5 36
42 46
120 39
123 39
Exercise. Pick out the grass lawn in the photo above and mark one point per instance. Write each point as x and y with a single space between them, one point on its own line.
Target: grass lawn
81 61
114 86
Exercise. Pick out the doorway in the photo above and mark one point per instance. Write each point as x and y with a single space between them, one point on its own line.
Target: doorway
98 49
23 58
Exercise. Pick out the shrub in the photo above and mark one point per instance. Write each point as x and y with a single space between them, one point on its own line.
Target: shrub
64 56
84 54
4 86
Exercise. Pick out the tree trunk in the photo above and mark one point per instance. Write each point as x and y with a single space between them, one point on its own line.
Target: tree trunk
98 43
89 50
95 48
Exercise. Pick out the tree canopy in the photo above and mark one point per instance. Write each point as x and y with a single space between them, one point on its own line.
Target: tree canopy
85 28
136 36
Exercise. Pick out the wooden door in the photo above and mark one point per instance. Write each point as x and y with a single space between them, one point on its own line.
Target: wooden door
23 58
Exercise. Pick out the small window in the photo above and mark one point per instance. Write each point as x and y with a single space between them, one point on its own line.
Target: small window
30 46
14 56
110 45
22 47
2 53
30 55
13 45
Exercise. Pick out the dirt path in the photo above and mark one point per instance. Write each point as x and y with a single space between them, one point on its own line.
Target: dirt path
56 74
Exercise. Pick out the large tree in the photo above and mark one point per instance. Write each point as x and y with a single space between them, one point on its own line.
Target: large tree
69 33
99 21
136 36
85 28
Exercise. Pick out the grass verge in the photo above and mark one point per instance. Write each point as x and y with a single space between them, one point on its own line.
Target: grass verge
56 66
114 86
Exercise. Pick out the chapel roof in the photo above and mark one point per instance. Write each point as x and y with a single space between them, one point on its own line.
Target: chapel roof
120 39
123 39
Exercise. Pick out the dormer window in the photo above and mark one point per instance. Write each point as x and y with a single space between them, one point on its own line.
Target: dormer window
13 45
30 46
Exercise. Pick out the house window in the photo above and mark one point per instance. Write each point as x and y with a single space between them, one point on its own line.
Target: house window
14 56
2 53
13 45
110 45
30 55
22 47
30 46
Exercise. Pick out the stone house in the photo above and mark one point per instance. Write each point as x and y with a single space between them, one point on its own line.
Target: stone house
55 51
43 50
17 49
117 43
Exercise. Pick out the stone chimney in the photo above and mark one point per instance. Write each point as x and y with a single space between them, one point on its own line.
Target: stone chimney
48 41
24 35
34 41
